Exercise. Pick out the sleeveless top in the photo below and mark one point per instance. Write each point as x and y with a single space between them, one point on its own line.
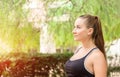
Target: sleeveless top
76 68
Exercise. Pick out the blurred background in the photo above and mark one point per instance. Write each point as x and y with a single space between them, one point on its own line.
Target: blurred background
36 35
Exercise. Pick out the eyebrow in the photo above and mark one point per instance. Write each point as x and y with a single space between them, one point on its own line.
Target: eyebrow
77 25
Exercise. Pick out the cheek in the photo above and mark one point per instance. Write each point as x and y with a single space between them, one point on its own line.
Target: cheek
81 34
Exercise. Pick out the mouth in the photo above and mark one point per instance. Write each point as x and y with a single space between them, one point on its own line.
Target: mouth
74 34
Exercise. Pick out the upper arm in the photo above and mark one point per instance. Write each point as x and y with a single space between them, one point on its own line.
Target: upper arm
100 65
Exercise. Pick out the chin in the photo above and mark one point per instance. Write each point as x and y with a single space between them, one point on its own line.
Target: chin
76 39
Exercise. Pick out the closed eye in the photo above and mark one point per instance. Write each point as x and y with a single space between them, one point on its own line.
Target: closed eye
77 26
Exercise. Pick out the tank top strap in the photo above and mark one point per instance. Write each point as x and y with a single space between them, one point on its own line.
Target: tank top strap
90 51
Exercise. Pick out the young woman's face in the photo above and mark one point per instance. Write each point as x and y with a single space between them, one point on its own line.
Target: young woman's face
80 30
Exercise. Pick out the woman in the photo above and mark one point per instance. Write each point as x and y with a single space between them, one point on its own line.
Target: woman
89 60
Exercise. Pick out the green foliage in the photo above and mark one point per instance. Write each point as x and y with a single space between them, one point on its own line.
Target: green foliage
15 29
108 11
21 38
62 33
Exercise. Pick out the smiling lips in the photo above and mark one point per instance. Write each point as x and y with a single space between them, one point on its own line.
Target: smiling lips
75 34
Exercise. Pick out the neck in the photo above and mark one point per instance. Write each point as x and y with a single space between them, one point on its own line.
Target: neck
88 44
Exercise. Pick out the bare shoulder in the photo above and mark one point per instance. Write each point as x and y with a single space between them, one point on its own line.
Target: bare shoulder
97 55
98 58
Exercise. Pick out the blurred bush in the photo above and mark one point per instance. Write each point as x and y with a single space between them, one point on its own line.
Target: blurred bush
38 65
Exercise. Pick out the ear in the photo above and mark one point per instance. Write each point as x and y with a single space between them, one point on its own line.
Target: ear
90 31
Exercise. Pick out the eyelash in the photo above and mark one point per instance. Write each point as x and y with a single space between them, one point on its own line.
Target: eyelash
77 27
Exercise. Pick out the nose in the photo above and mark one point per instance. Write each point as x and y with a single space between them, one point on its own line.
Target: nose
74 31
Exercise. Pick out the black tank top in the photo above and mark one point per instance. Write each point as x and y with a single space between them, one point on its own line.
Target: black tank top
76 68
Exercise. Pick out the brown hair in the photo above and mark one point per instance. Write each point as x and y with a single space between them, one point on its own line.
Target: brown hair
95 23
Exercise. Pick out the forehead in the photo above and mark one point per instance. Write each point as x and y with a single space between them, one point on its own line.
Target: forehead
79 21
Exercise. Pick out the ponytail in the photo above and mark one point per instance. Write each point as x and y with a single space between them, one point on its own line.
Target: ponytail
98 36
